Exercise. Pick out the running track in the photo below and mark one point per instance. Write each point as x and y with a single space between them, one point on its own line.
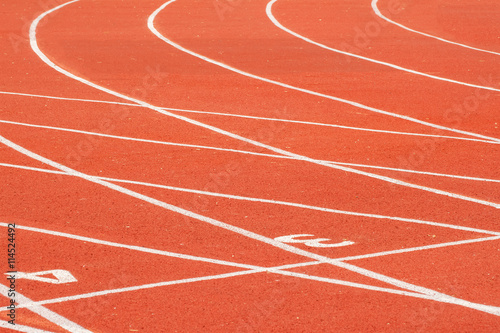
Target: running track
251 166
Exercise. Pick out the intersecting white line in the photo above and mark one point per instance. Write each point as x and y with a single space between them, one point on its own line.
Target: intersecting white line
308 40
44 312
395 282
379 14
234 115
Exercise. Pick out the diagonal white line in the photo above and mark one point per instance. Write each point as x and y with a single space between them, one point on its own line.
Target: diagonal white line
365 129
308 40
268 201
379 14
45 313
251 235
247 152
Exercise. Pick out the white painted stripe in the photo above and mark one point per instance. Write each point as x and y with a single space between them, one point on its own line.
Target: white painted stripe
22 328
419 248
308 40
42 56
45 313
133 247
266 240
263 239
310 92
274 202
364 129
379 14
167 143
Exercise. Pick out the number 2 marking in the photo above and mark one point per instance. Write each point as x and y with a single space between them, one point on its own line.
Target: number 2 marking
315 242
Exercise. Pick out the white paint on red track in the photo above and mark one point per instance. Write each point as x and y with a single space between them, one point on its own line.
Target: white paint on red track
377 11
387 64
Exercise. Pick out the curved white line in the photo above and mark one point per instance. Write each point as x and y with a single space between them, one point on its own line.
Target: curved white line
301 157
379 14
310 92
279 25
438 296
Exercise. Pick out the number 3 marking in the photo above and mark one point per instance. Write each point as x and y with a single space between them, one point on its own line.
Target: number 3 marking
315 242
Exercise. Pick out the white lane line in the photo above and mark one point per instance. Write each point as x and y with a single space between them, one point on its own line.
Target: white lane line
133 247
310 92
22 328
379 14
34 46
263 239
268 201
45 313
247 152
419 248
276 270
251 270
302 122
308 40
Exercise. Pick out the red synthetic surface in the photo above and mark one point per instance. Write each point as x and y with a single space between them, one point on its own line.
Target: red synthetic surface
108 43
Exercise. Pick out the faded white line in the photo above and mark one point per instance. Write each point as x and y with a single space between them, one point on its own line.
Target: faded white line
383 63
379 14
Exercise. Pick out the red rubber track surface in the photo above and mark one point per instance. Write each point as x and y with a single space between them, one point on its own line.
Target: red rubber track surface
413 208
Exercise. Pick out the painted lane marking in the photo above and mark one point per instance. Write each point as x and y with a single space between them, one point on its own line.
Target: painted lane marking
247 152
312 123
311 242
34 46
310 92
251 270
381 277
268 201
45 313
377 276
61 276
379 14
383 63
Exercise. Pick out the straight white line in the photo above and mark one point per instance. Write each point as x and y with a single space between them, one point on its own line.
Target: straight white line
419 248
269 241
363 129
310 92
251 235
45 313
308 40
22 328
379 14
276 270
133 247
268 201
167 143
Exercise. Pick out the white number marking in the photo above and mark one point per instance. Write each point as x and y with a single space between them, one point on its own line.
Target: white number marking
315 242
